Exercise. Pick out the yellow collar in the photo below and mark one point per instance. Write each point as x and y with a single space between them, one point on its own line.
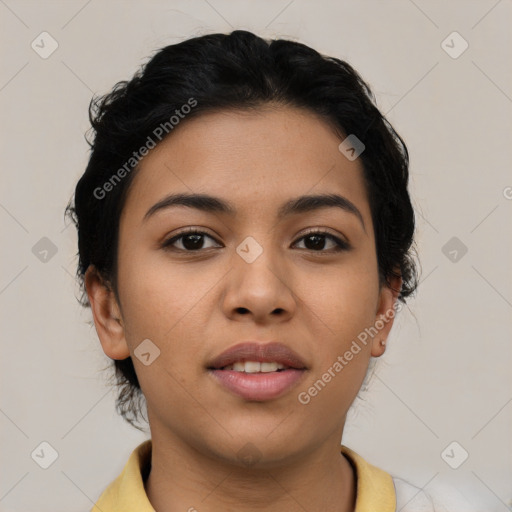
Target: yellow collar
375 489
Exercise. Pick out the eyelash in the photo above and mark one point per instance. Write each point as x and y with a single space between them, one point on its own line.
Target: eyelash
341 245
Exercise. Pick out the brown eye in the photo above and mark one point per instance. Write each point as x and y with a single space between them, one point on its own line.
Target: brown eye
190 241
316 241
194 241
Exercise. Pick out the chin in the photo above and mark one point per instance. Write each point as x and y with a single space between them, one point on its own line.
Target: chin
259 449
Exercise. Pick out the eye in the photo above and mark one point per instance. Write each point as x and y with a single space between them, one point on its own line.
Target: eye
191 240
315 241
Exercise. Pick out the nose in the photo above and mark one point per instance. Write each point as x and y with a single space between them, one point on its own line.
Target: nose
260 291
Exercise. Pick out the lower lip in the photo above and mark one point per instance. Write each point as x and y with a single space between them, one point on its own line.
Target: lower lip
258 386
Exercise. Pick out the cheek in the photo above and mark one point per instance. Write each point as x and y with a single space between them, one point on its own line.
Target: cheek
164 307
156 295
346 303
342 346
171 306
345 299
160 298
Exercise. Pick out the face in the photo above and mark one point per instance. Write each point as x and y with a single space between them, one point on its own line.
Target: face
303 276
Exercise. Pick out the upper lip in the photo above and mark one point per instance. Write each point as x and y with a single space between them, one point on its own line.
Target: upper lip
261 352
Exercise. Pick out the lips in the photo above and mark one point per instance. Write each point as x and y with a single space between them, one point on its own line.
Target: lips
262 353
257 372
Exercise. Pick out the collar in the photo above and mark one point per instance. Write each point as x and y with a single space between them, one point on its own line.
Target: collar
375 488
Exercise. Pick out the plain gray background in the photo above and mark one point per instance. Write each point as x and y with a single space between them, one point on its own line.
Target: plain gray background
446 374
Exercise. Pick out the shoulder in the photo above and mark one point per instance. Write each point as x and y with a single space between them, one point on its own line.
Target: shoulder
410 498
127 492
441 496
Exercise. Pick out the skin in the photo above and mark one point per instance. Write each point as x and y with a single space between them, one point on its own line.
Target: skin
193 306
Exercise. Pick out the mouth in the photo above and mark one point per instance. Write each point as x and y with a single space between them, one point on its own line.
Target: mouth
258 372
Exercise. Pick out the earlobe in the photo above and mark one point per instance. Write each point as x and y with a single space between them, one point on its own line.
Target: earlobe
385 314
106 314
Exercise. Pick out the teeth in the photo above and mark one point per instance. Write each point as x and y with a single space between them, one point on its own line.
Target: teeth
269 367
254 367
251 367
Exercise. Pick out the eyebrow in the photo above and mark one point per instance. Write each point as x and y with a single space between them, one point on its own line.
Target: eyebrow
302 204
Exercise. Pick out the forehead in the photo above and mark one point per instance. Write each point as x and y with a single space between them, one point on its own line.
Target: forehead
254 159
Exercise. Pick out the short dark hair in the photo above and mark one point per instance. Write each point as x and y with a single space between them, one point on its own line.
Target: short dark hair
234 71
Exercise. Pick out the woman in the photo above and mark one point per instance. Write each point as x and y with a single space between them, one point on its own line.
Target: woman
245 236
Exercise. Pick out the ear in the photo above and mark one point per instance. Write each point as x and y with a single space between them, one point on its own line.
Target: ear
106 314
385 314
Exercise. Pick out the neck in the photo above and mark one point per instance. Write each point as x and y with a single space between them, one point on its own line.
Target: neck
183 479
